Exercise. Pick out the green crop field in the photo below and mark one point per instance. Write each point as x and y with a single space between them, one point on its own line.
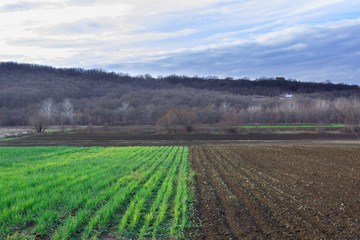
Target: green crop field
83 193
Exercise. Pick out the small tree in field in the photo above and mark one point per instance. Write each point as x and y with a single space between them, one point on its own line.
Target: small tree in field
230 120
40 121
168 120
347 112
188 118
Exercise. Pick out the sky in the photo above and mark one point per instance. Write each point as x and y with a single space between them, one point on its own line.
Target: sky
307 40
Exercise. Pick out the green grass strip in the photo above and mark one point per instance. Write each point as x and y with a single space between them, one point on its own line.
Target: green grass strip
297 126
51 195
66 190
180 204
72 193
165 204
73 222
162 195
104 213
137 204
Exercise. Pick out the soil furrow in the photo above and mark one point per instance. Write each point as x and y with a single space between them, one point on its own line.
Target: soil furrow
302 184
242 220
289 219
261 216
213 217
316 213
292 192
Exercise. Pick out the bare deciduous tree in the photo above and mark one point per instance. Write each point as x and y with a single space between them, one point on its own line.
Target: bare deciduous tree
347 114
168 120
188 118
253 111
67 112
39 121
224 106
48 109
230 120
123 109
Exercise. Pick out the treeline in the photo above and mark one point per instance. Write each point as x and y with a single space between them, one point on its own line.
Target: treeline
262 86
99 97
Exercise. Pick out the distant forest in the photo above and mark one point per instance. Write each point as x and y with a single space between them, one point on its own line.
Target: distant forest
77 96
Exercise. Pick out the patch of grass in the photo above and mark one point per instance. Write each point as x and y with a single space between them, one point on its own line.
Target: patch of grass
295 126
8 139
79 193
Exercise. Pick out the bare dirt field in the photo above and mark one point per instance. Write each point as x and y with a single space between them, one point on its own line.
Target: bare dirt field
120 139
282 192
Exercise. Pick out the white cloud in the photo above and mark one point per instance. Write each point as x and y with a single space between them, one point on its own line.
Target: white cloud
313 55
313 5
87 32
51 14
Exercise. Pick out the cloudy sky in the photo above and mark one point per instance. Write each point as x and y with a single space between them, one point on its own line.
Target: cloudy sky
308 40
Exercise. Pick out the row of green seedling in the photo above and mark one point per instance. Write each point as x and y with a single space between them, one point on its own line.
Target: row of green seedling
72 222
101 217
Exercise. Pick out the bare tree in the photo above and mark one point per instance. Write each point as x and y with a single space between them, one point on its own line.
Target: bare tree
39 121
48 109
148 113
230 120
168 120
253 112
67 112
224 107
344 116
123 109
188 118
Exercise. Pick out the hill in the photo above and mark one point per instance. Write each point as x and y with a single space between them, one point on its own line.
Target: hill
100 97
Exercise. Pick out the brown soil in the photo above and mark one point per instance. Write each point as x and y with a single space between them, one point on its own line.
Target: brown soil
278 192
116 139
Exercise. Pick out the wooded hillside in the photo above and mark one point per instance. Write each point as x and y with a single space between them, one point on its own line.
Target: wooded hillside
100 97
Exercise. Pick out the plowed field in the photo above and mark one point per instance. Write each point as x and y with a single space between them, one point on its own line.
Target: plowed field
263 192
118 139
